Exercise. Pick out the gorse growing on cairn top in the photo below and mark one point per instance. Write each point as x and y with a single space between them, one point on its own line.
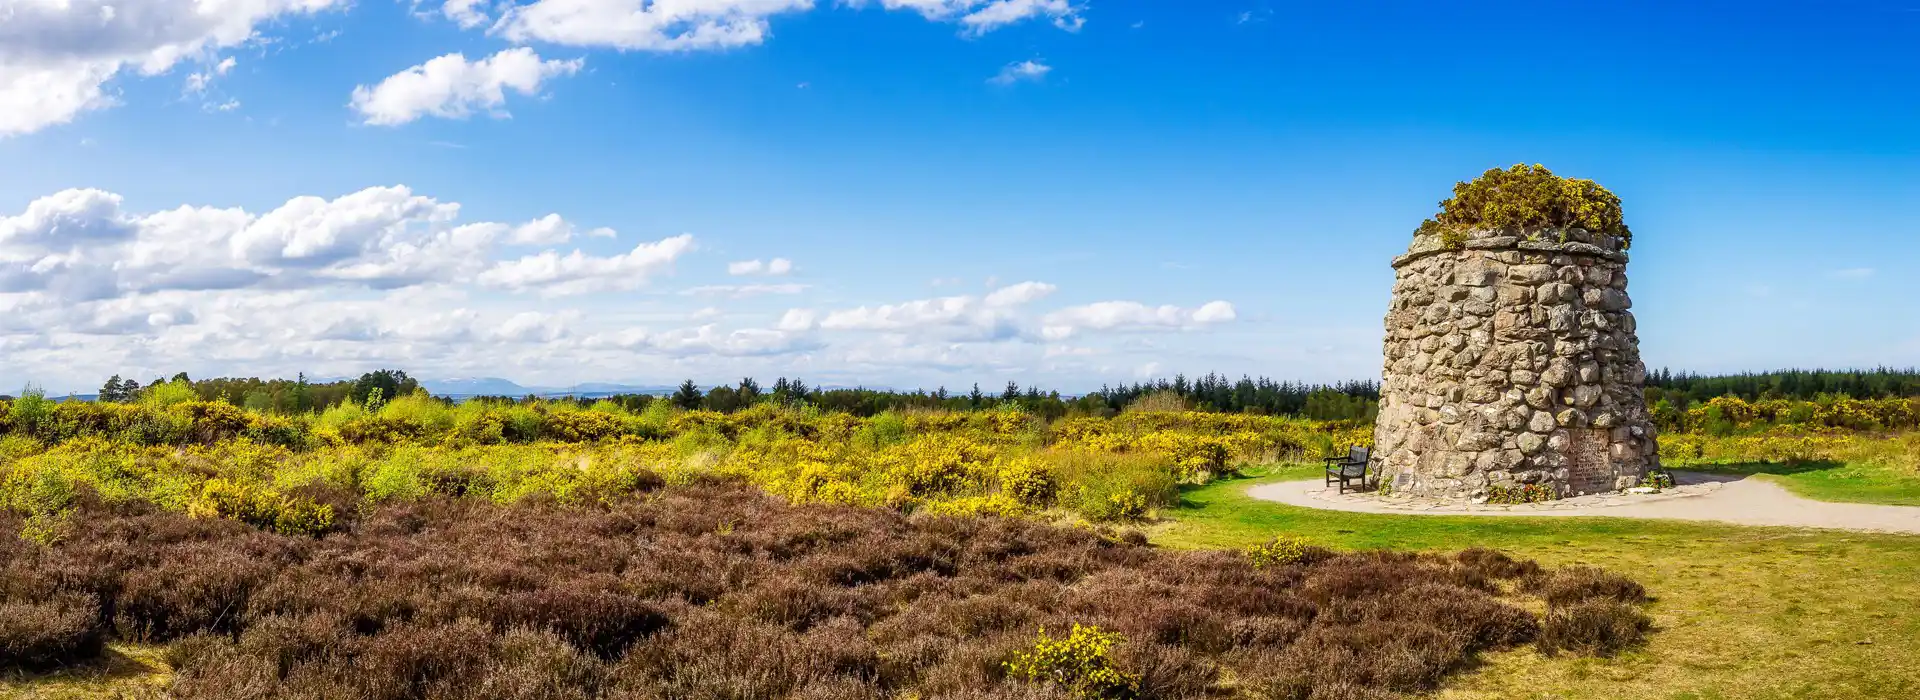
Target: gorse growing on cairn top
1527 197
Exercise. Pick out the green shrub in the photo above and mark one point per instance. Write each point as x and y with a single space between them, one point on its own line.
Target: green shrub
1114 487
163 395
1521 493
260 507
884 430
1527 197
1081 664
581 426
1278 551
32 413
479 427
276 430
1026 482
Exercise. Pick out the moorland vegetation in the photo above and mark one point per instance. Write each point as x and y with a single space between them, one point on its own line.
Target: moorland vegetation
218 529
715 590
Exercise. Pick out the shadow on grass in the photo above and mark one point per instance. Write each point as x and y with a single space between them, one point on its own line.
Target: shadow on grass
1777 468
113 666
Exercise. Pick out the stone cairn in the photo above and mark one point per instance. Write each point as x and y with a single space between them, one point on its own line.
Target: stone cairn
1511 359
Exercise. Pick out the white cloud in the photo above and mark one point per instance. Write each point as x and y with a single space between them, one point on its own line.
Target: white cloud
645 25
964 317
700 25
796 320
1001 13
703 340
1854 273
468 14
453 88
774 267
743 291
57 56
390 277
553 274
81 244
70 216
1018 294
551 230
902 316
1017 71
981 16
533 327
197 82
1131 315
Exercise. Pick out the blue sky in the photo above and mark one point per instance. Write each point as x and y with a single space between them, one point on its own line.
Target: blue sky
1050 191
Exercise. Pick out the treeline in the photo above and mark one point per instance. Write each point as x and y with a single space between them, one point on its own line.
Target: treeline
1683 389
282 396
1352 400
1357 400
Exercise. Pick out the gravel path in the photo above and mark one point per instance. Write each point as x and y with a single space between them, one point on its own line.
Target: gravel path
1712 497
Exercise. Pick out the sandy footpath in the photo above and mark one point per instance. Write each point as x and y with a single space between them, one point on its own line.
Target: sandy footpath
1710 497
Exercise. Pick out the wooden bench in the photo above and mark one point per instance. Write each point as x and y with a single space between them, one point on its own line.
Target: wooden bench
1352 467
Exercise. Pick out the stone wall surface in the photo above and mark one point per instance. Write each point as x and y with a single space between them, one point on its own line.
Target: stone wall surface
1512 359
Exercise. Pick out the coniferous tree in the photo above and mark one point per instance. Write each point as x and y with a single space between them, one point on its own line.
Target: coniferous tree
112 391
688 396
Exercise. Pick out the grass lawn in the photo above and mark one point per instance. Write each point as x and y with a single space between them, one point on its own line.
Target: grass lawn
1742 612
1851 482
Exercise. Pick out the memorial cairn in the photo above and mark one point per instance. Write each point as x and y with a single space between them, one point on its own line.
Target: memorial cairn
1512 366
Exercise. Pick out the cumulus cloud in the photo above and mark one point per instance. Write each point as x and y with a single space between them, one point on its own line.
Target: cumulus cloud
1131 316
1032 71
387 276
81 244
696 25
704 340
553 274
774 267
56 58
962 317
59 58
469 14
452 87
551 230
742 291
1017 294
912 314
981 16
644 25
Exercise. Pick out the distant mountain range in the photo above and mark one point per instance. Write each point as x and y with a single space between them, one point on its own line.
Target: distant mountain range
495 386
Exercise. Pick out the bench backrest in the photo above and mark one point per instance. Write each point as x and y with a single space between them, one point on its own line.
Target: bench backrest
1357 454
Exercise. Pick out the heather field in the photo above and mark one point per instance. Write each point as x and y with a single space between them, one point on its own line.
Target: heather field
421 549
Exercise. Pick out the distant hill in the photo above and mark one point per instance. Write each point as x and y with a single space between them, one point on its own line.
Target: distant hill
474 386
495 386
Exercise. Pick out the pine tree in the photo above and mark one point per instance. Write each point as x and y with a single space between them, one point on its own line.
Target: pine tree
688 396
112 391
